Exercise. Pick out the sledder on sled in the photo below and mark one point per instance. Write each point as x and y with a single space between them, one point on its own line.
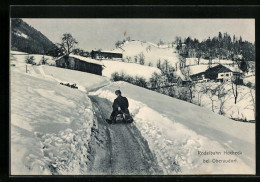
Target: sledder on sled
120 111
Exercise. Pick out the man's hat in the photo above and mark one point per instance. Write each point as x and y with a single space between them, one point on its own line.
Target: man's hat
118 92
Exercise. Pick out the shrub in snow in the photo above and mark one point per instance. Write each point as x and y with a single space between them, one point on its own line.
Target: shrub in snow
30 60
43 60
139 81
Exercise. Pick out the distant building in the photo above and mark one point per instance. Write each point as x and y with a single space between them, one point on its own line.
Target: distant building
218 73
181 81
81 64
199 77
105 55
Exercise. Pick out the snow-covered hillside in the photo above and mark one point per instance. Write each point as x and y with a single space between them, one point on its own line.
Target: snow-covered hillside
194 61
152 53
130 69
19 58
177 132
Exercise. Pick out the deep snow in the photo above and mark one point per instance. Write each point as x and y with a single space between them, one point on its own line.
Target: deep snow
130 69
176 131
50 123
152 53
50 127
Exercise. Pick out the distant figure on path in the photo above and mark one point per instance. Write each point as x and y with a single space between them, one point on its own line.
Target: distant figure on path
120 106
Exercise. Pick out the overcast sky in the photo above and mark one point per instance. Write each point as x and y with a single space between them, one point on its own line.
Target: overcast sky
103 33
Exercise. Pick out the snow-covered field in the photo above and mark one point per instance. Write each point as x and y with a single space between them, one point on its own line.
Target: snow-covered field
21 56
177 132
152 53
130 69
194 61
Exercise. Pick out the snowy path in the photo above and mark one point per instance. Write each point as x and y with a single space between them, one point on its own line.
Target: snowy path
129 153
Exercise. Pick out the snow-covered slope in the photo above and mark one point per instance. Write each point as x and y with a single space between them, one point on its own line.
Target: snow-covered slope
20 57
177 132
152 53
194 61
85 81
130 69
50 123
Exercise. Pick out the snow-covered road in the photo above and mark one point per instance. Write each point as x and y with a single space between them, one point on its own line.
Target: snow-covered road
129 153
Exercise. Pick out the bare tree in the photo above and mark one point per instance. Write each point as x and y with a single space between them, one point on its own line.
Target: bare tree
148 48
118 44
186 72
211 95
160 42
222 94
165 66
43 60
234 85
141 58
135 58
66 46
200 92
159 64
252 100
67 43
177 39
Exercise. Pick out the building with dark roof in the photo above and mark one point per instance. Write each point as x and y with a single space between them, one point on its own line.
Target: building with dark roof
105 55
80 63
218 73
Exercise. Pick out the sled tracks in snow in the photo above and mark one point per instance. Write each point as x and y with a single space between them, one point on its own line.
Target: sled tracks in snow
125 151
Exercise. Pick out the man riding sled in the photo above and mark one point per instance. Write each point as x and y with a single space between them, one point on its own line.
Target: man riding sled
120 106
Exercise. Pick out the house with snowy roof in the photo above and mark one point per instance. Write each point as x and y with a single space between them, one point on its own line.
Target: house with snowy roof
219 73
80 63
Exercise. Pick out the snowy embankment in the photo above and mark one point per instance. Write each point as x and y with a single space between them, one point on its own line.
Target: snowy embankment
130 69
179 133
50 123
50 127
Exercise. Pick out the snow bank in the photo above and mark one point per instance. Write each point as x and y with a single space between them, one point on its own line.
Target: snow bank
130 69
50 127
179 133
